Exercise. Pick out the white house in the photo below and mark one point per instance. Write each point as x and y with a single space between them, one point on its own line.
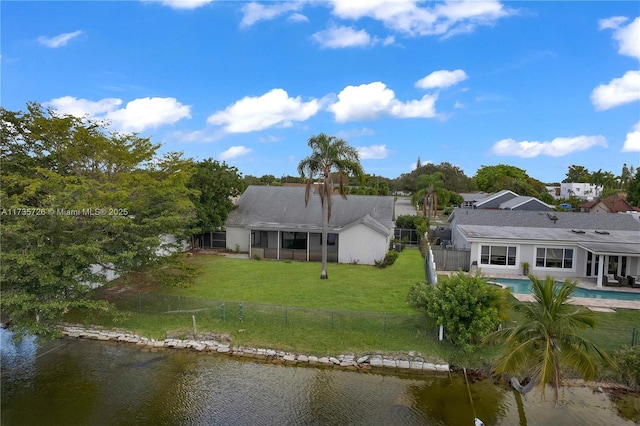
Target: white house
585 191
560 244
273 223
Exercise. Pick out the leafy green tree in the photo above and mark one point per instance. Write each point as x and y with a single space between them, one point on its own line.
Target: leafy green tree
633 190
487 176
78 201
328 155
454 178
577 174
548 338
464 304
213 185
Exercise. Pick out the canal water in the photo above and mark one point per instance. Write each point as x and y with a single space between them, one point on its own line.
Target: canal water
83 382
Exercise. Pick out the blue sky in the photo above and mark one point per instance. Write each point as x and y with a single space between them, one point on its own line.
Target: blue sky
538 85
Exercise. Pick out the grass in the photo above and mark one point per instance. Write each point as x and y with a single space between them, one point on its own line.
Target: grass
360 309
349 287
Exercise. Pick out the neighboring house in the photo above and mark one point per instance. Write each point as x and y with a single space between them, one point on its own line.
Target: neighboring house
525 203
470 198
560 244
613 204
509 200
585 191
272 222
554 191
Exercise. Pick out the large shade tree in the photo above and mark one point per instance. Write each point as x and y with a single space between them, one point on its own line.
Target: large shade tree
548 338
213 185
77 201
329 156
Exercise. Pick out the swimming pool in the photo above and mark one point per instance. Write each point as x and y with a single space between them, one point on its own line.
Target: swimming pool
518 286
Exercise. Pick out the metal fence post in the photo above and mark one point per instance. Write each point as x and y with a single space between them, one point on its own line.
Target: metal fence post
240 310
222 312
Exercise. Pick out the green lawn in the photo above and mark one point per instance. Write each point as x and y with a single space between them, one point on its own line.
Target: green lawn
349 287
286 306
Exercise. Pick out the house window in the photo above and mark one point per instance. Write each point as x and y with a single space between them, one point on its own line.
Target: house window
558 258
294 240
331 239
498 255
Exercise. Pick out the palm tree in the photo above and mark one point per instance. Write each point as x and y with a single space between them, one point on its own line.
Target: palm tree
548 338
329 155
429 187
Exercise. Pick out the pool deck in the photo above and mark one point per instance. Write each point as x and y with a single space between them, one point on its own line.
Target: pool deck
601 305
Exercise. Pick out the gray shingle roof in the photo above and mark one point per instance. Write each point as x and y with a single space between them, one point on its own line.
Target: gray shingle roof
281 207
520 201
534 219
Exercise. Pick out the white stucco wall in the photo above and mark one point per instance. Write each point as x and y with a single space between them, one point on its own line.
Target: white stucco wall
362 244
526 252
239 236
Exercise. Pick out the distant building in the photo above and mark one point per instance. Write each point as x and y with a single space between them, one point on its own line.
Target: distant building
554 191
585 191
470 198
613 204
504 200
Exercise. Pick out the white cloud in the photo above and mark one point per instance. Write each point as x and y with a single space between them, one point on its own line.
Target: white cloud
370 101
256 12
59 40
182 4
625 89
269 139
407 17
83 107
340 37
373 152
234 152
354 133
618 91
297 17
628 37
612 23
632 142
458 105
414 165
388 40
138 115
558 147
145 113
257 113
441 79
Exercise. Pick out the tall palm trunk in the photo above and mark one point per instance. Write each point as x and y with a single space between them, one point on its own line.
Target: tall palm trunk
325 227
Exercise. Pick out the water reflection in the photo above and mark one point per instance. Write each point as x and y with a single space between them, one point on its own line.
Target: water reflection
79 382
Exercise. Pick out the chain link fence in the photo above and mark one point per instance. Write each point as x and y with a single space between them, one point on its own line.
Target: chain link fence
292 316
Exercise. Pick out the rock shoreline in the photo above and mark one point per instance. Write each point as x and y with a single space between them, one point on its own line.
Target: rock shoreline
406 363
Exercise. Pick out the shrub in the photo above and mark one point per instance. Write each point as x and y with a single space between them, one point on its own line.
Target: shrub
388 260
464 304
628 361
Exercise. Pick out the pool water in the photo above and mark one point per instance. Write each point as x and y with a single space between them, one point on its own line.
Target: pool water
518 286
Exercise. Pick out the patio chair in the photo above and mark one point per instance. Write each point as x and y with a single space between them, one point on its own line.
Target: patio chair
634 282
610 281
622 281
